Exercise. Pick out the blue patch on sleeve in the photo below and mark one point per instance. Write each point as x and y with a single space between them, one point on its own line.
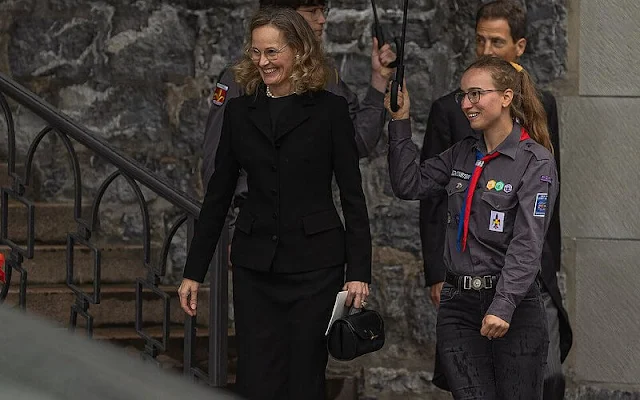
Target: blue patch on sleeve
540 208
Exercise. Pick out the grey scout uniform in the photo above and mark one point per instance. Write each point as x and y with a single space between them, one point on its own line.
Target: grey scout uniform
367 116
511 207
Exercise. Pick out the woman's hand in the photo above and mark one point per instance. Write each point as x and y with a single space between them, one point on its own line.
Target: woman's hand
403 102
188 293
493 327
358 293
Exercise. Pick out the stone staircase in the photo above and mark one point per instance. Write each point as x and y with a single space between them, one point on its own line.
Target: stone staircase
121 264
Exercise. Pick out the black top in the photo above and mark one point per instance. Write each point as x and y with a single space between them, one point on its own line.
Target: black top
276 106
288 222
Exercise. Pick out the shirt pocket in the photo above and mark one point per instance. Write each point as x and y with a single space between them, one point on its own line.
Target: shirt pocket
496 217
456 191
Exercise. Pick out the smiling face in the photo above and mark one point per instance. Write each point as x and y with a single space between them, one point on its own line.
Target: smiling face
275 73
492 107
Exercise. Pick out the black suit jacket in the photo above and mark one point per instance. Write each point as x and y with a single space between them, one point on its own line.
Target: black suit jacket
446 126
289 222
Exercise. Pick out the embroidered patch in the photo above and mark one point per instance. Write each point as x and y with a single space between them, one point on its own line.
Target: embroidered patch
496 223
508 188
540 207
499 186
220 94
491 184
461 175
545 178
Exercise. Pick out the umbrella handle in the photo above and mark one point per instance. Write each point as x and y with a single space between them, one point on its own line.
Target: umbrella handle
394 96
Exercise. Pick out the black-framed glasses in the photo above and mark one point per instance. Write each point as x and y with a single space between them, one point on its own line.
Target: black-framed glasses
316 12
473 95
271 53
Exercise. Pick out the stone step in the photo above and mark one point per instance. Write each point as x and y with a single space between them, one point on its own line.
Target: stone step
52 222
117 304
119 264
127 337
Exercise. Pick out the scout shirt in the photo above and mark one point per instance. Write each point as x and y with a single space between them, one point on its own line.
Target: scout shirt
510 210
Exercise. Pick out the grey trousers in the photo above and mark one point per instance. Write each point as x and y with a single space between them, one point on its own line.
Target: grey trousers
554 382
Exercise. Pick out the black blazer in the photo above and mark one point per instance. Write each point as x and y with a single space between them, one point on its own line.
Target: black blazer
446 126
289 222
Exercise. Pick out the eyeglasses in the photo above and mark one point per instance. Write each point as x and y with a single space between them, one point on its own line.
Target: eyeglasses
316 12
271 54
473 95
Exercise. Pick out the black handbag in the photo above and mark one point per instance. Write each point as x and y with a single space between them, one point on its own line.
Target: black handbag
356 334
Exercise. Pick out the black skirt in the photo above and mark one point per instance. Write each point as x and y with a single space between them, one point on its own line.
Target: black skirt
281 321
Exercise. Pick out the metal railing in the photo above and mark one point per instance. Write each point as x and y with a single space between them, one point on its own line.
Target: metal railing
67 130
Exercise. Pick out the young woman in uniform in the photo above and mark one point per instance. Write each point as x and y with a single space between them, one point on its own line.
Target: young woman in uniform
501 184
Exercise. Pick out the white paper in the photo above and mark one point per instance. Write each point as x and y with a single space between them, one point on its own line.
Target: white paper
339 309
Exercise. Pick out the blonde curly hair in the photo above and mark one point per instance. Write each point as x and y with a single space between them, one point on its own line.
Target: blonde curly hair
311 68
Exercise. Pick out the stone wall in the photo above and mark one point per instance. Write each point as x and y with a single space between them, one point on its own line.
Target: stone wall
601 229
138 73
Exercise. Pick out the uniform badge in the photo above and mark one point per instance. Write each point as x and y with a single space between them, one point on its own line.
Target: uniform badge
491 184
508 188
545 178
496 222
499 186
220 94
540 207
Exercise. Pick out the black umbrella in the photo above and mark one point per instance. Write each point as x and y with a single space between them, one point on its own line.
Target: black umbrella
377 30
397 82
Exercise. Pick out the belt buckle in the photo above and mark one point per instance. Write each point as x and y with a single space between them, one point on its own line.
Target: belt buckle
488 282
472 282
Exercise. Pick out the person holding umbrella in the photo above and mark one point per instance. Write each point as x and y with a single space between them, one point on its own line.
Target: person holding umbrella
502 184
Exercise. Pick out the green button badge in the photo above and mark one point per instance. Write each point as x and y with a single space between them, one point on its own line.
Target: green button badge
499 186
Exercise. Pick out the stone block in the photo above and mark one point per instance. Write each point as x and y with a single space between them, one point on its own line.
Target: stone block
609 47
607 319
598 141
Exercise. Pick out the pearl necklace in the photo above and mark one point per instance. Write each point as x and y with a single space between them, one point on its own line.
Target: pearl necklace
271 95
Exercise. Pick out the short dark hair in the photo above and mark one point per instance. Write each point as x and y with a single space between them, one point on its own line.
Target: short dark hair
295 4
510 10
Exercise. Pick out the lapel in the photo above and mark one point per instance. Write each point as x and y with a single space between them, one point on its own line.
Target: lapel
259 112
291 117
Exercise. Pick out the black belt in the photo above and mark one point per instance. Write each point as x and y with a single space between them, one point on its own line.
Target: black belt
468 282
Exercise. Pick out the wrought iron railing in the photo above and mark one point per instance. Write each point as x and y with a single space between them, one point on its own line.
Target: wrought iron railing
188 209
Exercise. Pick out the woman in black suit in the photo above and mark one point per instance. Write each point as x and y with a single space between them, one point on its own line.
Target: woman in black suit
290 248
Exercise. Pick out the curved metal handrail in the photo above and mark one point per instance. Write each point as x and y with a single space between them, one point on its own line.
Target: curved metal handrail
92 141
135 175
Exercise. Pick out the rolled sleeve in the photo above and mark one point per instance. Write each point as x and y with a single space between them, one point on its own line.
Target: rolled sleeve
536 197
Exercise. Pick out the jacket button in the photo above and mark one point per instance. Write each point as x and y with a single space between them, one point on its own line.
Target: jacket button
278 145
274 238
274 192
275 215
274 168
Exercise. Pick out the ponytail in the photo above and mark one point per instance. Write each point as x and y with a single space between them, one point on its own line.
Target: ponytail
530 111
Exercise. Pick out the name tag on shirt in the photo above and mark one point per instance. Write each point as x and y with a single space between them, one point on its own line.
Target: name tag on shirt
496 223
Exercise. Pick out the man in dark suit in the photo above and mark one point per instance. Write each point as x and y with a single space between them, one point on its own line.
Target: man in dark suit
500 32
